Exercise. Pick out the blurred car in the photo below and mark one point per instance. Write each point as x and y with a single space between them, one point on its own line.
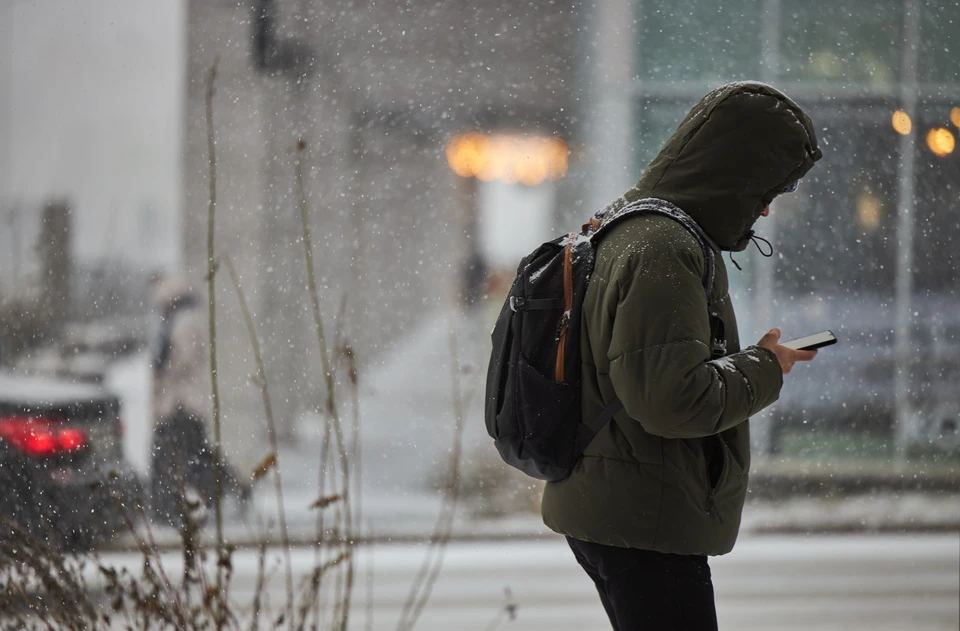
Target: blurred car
62 471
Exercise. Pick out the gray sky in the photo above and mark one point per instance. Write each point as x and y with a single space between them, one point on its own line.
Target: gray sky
91 108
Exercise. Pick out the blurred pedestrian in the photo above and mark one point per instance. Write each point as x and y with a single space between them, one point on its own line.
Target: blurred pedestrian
662 486
183 462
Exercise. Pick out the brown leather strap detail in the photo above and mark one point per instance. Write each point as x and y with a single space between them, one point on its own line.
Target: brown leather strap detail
568 272
593 224
561 342
567 303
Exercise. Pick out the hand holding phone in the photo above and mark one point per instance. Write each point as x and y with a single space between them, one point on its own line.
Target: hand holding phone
785 355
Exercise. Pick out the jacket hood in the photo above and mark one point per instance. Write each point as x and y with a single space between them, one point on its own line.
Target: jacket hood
738 148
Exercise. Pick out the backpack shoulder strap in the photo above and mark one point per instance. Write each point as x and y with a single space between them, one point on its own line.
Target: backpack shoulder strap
657 206
603 221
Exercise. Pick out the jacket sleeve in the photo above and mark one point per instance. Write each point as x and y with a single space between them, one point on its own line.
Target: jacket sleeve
659 355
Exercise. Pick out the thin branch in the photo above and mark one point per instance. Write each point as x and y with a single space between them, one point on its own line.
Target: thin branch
149 549
211 298
271 429
508 611
346 355
353 377
258 591
338 598
369 622
331 410
314 596
433 561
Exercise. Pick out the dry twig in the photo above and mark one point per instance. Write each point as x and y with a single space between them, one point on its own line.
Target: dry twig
211 301
262 382
429 571
331 406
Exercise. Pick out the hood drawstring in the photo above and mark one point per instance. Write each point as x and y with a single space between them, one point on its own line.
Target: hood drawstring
755 240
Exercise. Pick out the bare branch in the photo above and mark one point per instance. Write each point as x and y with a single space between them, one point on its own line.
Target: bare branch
429 571
262 382
211 301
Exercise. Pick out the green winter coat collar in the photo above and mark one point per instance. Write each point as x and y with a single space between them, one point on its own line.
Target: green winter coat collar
738 148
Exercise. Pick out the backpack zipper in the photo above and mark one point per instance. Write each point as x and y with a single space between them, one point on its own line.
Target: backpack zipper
561 340
567 304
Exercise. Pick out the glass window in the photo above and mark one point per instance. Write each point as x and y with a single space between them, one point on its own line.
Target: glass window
936 243
683 40
658 119
837 234
842 41
940 43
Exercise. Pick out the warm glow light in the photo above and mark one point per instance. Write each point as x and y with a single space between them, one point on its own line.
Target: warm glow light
901 122
507 158
868 211
955 116
941 141
466 153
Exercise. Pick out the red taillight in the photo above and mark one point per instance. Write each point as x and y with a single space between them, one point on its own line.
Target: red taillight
39 437
40 443
71 439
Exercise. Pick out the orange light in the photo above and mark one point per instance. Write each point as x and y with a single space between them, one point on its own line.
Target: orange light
868 211
465 153
507 158
558 157
901 122
955 116
941 141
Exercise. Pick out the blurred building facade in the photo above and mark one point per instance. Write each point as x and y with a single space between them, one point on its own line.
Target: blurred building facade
376 91
90 115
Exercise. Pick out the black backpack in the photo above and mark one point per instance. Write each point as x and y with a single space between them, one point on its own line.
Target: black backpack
533 381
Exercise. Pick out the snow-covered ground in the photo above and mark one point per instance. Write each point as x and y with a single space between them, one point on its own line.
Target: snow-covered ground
845 583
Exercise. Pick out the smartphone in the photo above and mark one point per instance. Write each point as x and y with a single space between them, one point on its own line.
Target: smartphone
812 342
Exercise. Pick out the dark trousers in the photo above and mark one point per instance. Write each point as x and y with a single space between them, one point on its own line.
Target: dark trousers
643 590
182 458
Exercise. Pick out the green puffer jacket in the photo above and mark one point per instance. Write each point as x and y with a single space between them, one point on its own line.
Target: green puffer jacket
669 472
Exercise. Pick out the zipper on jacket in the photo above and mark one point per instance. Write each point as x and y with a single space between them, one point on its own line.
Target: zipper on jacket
710 507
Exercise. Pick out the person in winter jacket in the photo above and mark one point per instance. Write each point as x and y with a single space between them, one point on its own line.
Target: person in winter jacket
662 486
179 353
183 461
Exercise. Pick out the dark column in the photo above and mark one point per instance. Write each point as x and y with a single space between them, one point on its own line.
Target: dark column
54 250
